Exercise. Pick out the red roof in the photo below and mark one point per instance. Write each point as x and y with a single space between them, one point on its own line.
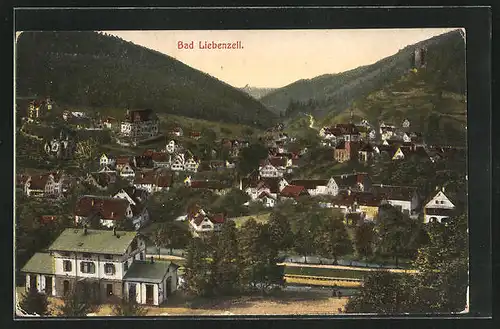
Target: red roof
107 208
47 219
293 191
217 218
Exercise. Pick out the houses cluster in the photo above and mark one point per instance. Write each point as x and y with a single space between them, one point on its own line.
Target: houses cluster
363 143
51 185
353 194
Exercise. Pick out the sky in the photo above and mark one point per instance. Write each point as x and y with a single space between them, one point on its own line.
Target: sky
275 58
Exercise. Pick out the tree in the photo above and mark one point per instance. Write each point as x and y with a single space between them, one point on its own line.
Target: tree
397 235
77 304
128 308
226 264
86 153
250 247
382 292
442 279
232 203
250 158
198 277
439 285
280 231
159 238
364 236
34 302
332 239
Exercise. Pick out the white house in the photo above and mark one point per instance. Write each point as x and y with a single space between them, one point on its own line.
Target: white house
46 185
106 161
404 198
438 209
173 147
112 264
127 171
200 222
140 124
318 186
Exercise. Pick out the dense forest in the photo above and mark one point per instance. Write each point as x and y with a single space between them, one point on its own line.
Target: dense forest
99 70
333 93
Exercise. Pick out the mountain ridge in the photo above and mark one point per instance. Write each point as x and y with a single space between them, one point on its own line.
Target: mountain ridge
336 92
99 70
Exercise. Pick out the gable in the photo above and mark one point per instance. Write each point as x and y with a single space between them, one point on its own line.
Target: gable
440 200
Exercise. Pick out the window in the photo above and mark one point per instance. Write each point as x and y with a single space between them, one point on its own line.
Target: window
87 267
67 266
109 268
141 256
125 266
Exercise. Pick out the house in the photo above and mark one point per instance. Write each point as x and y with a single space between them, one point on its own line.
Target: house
176 131
140 124
269 171
365 203
101 180
275 166
218 187
195 134
200 222
153 181
439 208
173 147
270 185
408 151
185 162
318 186
372 134
122 161
161 160
47 219
345 151
107 160
143 161
353 181
127 172
366 153
109 122
293 192
53 184
404 198
348 132
268 200
62 146
136 198
386 130
112 263
106 210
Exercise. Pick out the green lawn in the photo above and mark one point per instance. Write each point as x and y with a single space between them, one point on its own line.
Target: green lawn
259 218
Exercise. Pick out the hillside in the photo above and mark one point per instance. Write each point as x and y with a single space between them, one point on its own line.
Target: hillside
432 98
95 70
331 94
256 92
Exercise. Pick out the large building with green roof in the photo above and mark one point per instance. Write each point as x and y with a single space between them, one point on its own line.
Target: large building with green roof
108 263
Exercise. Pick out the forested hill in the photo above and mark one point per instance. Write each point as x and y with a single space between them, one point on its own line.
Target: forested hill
98 70
333 93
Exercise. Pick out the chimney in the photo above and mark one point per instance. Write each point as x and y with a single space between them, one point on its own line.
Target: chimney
114 231
442 189
152 260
